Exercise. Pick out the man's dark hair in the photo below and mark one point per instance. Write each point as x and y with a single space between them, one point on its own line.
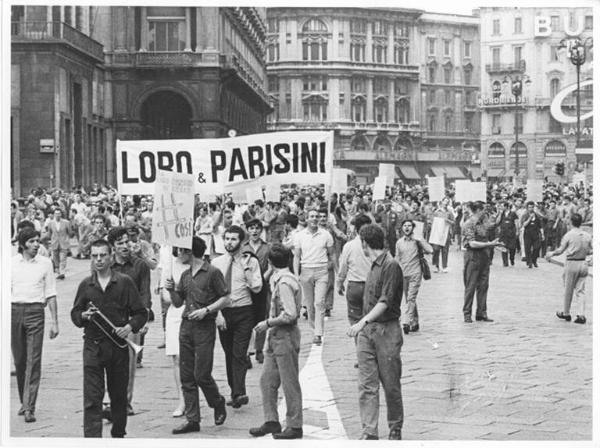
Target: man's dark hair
373 236
530 203
260 203
25 235
102 217
237 229
279 255
102 243
323 210
576 219
360 221
199 246
475 206
116 233
23 224
408 220
292 220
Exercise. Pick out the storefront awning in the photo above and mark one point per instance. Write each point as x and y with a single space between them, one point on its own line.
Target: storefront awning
475 172
453 172
438 171
408 172
495 173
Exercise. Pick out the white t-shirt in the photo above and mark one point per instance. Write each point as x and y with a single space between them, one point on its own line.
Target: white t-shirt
313 247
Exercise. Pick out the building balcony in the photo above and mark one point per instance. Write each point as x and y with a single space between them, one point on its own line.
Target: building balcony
56 32
281 125
412 70
497 68
451 134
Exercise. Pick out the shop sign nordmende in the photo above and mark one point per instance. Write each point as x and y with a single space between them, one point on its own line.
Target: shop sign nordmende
220 165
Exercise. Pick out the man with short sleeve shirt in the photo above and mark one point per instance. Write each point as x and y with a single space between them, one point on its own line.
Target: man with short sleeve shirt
203 291
379 338
313 254
236 321
32 288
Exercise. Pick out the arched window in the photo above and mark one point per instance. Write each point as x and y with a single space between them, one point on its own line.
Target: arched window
403 144
359 143
554 87
496 150
448 123
359 110
314 26
402 110
522 150
431 123
496 89
381 110
555 148
382 144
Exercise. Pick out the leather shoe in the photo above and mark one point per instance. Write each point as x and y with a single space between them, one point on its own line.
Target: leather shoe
484 319
220 412
266 428
405 328
238 401
580 320
468 320
317 340
395 434
564 316
21 411
288 434
29 417
187 427
414 328
107 413
368 437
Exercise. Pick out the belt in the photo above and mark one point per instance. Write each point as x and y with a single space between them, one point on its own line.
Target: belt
575 259
354 281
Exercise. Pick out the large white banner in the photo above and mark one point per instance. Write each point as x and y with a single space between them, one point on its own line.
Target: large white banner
173 212
221 165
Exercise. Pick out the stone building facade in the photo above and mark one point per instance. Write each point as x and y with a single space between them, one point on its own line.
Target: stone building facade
127 73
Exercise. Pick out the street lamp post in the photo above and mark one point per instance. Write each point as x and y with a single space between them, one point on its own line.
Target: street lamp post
577 52
517 91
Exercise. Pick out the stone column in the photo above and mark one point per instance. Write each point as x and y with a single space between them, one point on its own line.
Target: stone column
369 44
131 29
188 29
390 46
296 87
119 26
144 30
335 41
334 99
391 101
369 98
207 29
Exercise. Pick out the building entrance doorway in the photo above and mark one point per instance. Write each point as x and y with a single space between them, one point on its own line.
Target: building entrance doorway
166 115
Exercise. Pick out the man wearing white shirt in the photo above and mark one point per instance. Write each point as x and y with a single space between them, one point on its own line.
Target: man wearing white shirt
354 266
32 288
313 254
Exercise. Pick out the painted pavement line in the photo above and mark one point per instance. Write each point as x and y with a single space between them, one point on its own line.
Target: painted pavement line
317 396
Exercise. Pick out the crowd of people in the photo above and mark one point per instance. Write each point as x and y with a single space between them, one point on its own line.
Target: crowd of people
253 272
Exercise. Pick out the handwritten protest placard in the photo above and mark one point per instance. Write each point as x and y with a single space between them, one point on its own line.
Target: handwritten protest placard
436 188
379 188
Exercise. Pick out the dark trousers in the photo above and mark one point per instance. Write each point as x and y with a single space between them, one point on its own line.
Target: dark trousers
281 369
196 350
435 258
532 247
100 357
262 304
354 297
510 253
235 340
27 337
476 277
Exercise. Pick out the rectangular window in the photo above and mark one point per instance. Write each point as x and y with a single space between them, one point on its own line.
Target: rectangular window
446 47
432 74
468 77
518 54
447 98
496 56
518 25
401 87
467 49
380 86
447 75
496 124
358 27
380 27
589 22
166 35
342 98
519 120
468 123
496 27
555 23
401 30
273 25
554 54
431 45
358 85
273 83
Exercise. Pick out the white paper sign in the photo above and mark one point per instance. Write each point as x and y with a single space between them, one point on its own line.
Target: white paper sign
340 180
535 190
418 231
253 193
388 170
439 231
272 193
467 191
462 193
173 213
379 188
478 191
436 188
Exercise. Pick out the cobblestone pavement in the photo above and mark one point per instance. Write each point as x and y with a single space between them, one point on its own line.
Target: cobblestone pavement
526 376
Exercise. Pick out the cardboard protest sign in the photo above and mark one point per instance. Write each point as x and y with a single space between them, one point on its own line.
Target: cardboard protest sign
418 231
388 170
302 157
340 180
436 188
173 213
462 192
273 193
253 192
379 188
535 190
478 191
439 231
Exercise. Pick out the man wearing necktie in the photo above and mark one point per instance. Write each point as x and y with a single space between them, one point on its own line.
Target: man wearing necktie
235 322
